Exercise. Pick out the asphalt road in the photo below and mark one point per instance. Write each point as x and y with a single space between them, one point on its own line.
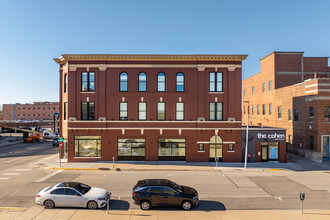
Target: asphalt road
21 177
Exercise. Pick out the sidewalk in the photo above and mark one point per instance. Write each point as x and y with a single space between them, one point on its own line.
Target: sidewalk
64 213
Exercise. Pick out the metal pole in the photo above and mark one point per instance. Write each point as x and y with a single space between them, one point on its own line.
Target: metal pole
113 162
59 155
302 206
247 140
108 205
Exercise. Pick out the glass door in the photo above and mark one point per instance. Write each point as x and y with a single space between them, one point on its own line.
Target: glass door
326 144
264 153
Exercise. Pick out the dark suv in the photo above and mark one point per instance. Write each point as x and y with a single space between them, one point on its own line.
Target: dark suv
157 192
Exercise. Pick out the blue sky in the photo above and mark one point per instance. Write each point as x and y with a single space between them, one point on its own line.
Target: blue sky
33 32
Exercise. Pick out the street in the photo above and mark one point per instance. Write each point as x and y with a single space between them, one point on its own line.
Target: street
22 175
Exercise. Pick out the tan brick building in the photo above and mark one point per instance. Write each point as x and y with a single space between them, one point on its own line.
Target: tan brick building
35 111
292 92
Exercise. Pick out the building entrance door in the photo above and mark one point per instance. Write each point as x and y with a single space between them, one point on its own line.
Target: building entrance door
326 144
215 148
264 153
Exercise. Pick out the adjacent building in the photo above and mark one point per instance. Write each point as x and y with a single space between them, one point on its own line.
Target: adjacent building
34 111
292 92
151 107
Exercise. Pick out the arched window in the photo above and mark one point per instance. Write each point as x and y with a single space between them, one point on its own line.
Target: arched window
161 82
215 147
179 82
142 82
123 82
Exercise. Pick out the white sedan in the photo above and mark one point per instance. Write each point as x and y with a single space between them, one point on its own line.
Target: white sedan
73 194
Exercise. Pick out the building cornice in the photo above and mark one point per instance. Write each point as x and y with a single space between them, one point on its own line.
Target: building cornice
146 57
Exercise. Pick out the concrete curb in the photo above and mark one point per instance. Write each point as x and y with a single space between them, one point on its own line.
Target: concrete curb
72 168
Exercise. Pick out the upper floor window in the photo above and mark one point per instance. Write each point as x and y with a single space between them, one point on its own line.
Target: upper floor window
244 92
216 111
161 111
258 108
179 82
263 87
289 114
279 114
123 78
87 111
244 110
161 79
270 85
215 82
66 83
263 109
252 90
296 115
253 109
142 82
327 113
311 111
87 81
65 114
123 111
142 111
270 109
179 111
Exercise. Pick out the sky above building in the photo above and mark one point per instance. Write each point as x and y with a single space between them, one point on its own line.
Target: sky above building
33 32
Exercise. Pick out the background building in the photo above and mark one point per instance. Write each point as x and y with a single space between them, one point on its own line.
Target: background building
292 92
35 111
151 107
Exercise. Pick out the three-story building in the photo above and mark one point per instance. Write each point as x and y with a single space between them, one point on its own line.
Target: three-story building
151 107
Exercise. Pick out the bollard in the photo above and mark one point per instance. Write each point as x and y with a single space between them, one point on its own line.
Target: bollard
302 198
113 162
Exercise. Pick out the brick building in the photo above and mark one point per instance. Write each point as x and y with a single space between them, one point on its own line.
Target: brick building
292 92
35 111
151 107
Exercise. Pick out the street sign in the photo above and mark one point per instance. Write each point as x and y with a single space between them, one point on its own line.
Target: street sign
60 145
60 139
56 123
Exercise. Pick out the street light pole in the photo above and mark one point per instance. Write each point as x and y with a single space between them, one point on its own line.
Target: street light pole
247 139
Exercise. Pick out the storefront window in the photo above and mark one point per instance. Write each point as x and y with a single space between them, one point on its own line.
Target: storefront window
272 148
87 146
171 148
131 147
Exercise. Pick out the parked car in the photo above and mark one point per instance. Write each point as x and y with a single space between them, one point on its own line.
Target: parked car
72 194
156 192
55 142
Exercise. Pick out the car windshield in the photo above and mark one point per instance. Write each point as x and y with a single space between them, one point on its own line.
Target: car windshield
176 186
82 188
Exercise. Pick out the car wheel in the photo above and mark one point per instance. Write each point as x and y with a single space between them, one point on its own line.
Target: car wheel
92 205
49 204
186 205
145 205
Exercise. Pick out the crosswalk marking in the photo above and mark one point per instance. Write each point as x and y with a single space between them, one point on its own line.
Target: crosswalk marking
11 174
23 170
47 176
4 178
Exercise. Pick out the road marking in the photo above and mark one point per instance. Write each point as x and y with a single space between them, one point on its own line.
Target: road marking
11 174
4 178
275 170
22 169
47 176
280 198
2 155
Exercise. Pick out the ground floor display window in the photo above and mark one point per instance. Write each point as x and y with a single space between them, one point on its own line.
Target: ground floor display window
171 149
131 149
215 148
269 151
87 146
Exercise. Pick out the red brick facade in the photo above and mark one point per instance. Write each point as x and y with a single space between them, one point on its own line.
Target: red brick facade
35 111
195 129
298 83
